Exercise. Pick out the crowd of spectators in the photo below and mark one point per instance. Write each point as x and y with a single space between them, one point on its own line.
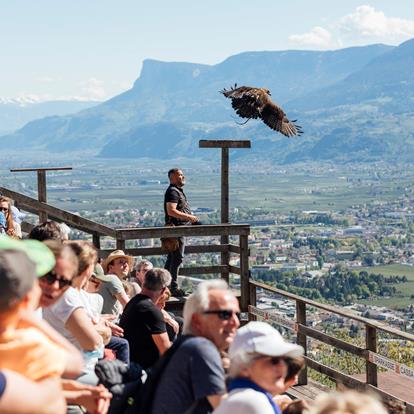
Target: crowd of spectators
81 336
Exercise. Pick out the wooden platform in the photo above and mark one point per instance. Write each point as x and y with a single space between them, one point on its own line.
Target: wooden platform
307 392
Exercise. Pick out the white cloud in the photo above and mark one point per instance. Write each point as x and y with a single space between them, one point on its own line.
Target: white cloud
93 89
367 23
363 26
318 37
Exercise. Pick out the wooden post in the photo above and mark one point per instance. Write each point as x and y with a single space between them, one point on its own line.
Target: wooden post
252 301
120 244
96 240
301 338
371 345
225 256
41 184
244 273
224 145
41 193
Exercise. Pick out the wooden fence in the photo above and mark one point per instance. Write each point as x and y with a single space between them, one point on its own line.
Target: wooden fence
303 332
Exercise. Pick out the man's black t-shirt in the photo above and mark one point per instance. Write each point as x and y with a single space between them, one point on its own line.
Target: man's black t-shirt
176 195
142 319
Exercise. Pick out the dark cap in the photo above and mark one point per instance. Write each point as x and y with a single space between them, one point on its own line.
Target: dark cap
17 275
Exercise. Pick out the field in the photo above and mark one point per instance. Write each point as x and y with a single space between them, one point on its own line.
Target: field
405 290
99 184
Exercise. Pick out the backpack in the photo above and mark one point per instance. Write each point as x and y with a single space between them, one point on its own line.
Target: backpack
143 401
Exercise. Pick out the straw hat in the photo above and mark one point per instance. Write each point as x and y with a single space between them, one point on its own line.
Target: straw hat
116 254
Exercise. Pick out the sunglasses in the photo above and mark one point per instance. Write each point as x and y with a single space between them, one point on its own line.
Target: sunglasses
5 209
95 281
52 277
223 315
272 360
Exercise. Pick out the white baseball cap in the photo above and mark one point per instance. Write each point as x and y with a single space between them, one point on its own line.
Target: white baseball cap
261 338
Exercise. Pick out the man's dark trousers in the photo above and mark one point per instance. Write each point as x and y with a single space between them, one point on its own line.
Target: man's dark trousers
174 260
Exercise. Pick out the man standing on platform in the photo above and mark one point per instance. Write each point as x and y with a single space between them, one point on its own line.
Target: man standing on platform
177 213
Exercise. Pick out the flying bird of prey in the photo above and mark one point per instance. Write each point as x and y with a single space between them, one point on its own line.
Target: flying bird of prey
256 103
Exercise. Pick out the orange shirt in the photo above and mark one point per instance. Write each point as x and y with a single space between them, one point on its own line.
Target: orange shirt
32 354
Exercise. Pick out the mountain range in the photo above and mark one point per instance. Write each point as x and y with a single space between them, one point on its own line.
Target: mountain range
15 113
354 104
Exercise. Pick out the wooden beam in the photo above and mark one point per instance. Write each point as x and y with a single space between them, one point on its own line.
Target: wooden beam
73 220
330 340
184 231
335 309
235 270
224 143
199 270
41 193
244 273
40 169
371 345
301 338
158 251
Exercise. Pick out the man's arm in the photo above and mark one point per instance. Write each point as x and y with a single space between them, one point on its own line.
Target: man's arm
161 341
81 327
215 400
123 298
43 397
173 212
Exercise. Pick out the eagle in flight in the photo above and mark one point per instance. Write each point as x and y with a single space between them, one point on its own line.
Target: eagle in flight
256 103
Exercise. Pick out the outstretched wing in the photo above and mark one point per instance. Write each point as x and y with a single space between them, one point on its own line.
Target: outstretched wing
246 101
274 117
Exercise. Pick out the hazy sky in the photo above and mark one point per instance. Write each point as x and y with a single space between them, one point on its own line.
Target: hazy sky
93 49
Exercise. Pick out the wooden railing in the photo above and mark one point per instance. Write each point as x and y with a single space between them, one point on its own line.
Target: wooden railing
304 332
121 236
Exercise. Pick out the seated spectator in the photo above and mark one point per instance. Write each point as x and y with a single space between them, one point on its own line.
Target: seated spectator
118 344
69 315
49 230
43 397
12 229
26 345
296 407
189 378
294 366
174 324
140 270
257 370
117 266
55 283
348 402
143 322
3 223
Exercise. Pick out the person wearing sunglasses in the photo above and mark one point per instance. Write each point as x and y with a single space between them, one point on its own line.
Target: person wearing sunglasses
193 380
27 344
12 228
55 283
257 370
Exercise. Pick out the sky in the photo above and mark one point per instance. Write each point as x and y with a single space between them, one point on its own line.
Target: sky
94 49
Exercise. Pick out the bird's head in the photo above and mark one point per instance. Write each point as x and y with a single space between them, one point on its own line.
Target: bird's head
268 92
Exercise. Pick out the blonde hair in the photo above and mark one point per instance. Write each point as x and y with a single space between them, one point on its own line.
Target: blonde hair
9 215
86 253
348 402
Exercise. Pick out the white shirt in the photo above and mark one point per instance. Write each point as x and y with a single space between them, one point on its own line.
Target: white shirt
244 401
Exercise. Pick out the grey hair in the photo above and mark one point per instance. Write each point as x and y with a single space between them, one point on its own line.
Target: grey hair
156 279
241 361
198 301
143 263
